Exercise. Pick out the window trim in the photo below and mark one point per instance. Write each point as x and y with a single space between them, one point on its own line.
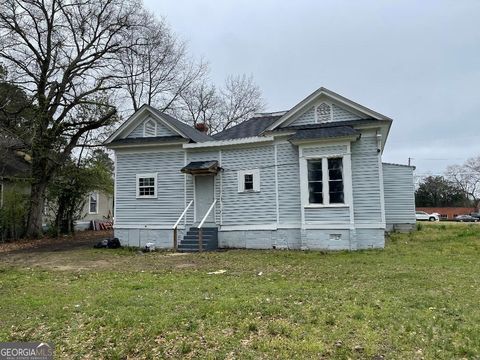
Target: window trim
90 203
255 177
325 182
146 176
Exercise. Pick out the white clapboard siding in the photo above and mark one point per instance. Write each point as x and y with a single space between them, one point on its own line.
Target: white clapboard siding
340 114
169 204
249 208
288 184
327 214
365 179
308 117
325 150
399 194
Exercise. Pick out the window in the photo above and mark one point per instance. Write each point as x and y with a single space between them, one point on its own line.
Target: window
93 203
315 182
147 185
249 180
325 181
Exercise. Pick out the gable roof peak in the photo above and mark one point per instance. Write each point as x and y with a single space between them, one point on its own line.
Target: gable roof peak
182 129
323 91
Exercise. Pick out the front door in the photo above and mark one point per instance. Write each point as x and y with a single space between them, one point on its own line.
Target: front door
204 196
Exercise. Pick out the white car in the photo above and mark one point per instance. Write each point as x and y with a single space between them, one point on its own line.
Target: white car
423 216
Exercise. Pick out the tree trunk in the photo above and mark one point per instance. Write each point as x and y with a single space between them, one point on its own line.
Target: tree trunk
37 200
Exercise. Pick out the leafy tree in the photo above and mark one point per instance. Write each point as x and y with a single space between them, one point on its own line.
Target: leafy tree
64 55
437 191
13 213
74 181
16 109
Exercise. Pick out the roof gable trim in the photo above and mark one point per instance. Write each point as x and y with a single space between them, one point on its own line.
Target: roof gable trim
312 98
135 119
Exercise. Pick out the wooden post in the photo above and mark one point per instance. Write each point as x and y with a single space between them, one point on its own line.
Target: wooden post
175 245
200 239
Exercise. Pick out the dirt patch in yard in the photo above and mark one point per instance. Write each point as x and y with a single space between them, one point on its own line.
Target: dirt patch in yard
81 239
55 253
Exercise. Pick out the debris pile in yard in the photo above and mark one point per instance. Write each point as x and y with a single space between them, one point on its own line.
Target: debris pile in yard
108 243
150 246
97 225
217 272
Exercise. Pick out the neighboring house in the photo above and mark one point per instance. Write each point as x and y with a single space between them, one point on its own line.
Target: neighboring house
98 207
448 213
15 166
308 178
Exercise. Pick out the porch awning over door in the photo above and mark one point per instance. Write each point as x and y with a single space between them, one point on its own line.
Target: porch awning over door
201 168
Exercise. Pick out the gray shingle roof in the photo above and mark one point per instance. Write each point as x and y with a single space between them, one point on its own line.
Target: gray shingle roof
188 130
248 128
324 133
197 167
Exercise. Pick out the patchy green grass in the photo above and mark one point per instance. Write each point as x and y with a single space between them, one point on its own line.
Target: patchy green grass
418 298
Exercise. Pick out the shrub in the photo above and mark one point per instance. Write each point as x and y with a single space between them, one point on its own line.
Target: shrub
419 226
13 214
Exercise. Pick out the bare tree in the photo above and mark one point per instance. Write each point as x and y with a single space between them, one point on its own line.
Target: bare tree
64 54
240 99
467 178
158 71
224 108
200 104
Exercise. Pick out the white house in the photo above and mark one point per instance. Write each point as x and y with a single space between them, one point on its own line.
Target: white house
308 178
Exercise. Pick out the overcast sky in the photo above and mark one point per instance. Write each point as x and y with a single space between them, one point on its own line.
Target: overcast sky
417 62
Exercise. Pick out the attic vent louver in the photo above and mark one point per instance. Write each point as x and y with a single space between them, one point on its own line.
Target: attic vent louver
149 128
324 113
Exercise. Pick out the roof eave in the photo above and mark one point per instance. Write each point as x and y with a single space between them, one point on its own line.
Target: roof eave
325 139
114 146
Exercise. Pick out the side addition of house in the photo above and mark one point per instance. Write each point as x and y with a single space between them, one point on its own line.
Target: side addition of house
308 178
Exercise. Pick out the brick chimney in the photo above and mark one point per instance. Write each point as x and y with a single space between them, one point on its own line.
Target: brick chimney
202 127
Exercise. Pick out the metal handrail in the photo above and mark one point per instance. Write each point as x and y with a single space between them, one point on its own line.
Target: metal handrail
175 243
183 214
206 215
200 230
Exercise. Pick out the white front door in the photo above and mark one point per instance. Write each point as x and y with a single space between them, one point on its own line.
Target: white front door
204 196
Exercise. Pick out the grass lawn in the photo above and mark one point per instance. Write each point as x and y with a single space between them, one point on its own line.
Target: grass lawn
418 298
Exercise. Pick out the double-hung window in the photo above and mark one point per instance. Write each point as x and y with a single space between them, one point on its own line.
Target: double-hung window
249 180
325 181
93 203
147 185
